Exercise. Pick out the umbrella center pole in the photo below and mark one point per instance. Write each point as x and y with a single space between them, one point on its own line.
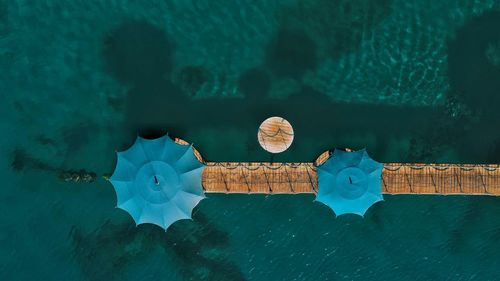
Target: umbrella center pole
157 182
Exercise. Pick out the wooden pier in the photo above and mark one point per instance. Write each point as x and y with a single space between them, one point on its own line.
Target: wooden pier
397 178
232 177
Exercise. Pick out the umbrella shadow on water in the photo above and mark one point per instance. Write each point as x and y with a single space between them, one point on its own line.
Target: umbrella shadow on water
138 53
198 248
157 101
473 72
474 75
291 53
473 99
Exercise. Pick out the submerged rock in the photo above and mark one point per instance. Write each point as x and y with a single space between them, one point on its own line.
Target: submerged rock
191 79
80 176
456 107
21 160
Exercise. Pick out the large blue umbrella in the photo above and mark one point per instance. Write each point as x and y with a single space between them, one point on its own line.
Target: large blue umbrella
158 181
350 182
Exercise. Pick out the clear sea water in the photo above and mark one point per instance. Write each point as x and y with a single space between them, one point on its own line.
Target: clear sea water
410 80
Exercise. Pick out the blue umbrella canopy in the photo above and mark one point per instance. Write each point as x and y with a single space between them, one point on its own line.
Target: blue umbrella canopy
158 181
350 182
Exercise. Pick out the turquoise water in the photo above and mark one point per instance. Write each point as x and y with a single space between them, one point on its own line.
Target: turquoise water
410 80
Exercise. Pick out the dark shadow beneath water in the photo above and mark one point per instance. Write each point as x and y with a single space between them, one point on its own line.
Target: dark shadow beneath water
312 115
156 104
291 53
338 27
471 73
138 53
475 79
198 248
255 84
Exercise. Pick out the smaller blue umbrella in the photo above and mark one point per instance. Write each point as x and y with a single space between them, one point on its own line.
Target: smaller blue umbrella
350 182
158 181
